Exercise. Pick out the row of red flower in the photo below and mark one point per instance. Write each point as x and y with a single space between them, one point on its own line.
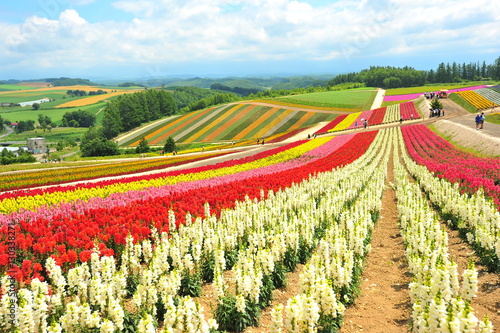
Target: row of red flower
14 181
71 239
53 189
439 156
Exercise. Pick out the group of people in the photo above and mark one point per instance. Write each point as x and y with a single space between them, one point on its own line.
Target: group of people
479 120
436 113
432 95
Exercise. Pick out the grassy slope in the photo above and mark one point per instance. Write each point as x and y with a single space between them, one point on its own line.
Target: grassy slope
422 89
463 103
358 99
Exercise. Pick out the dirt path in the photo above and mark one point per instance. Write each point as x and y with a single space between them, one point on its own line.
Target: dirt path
384 302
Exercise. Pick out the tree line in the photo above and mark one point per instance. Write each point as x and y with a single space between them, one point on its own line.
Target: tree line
129 111
396 77
81 93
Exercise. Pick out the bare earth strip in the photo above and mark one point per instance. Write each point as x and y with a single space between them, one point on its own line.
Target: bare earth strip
384 302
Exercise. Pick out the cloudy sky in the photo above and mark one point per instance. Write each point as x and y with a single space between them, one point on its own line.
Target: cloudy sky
149 38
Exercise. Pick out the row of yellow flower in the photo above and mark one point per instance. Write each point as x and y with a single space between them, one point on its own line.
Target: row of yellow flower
32 202
303 106
478 101
93 99
346 122
10 181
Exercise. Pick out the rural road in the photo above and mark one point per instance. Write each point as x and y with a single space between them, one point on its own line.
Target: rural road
8 130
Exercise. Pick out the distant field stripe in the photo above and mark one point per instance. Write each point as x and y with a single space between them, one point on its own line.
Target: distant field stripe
227 124
287 118
214 123
180 137
256 123
266 131
302 121
170 128
163 128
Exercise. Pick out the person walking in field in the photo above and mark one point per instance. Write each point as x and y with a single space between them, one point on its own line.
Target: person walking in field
365 123
482 120
478 121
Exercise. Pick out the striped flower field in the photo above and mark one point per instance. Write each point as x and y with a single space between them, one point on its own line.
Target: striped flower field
236 122
133 254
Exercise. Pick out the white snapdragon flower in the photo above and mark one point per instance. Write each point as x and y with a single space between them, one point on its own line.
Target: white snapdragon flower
25 311
277 319
107 326
469 283
240 303
146 325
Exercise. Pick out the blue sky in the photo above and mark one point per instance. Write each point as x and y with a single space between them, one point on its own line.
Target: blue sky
151 38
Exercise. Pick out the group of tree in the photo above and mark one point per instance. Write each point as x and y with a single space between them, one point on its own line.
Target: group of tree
45 122
81 93
66 81
473 71
94 143
236 90
24 126
79 118
130 84
131 110
395 77
186 96
22 156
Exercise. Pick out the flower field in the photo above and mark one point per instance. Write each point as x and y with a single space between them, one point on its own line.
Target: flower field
132 254
390 114
238 122
478 101
92 99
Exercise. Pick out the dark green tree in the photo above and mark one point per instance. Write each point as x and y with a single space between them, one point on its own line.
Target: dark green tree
436 104
143 146
170 145
36 106
94 144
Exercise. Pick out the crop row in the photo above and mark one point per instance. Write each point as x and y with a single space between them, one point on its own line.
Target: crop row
109 220
92 99
90 293
439 299
469 172
393 113
32 199
13 181
472 212
478 101
490 95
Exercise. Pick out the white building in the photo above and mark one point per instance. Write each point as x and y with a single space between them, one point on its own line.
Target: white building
37 145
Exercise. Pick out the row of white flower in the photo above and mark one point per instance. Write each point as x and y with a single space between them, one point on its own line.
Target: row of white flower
392 113
92 295
475 213
339 254
440 304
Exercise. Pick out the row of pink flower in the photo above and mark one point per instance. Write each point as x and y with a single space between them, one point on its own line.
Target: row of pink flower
120 199
69 238
406 97
446 161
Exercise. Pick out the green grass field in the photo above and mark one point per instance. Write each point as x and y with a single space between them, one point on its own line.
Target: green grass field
27 113
422 89
56 134
355 98
13 87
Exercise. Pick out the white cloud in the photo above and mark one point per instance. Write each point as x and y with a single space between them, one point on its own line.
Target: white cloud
173 31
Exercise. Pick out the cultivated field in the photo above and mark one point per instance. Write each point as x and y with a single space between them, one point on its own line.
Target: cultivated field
389 229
